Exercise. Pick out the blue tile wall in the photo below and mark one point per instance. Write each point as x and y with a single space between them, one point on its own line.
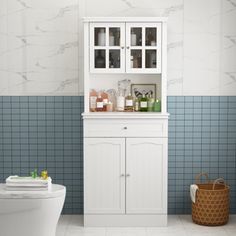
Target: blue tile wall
202 138
46 132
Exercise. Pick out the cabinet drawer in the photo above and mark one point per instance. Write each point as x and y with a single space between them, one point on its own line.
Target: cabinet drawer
110 128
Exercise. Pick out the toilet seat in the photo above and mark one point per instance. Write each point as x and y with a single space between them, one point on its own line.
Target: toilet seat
56 191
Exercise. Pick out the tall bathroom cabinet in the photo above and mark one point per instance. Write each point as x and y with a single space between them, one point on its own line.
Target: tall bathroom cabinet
125 153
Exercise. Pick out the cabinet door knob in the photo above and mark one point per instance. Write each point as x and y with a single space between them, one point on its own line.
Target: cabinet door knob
128 175
125 127
122 175
127 47
122 47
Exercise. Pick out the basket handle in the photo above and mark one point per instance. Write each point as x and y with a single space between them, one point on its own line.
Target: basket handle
197 178
218 181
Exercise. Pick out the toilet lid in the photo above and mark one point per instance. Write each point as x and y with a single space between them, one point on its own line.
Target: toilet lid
56 191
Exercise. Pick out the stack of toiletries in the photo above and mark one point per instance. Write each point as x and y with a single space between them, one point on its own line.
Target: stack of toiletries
17 183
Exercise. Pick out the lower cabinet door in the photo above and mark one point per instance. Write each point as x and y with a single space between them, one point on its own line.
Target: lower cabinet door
146 175
104 175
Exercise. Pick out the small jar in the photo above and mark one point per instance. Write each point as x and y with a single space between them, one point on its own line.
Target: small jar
109 107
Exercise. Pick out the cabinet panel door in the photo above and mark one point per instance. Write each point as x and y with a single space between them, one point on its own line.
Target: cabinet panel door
107 47
104 175
143 47
146 166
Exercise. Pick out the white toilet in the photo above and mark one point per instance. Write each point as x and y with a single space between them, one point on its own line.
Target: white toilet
30 213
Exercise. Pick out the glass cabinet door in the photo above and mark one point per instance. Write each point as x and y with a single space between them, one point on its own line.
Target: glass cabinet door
107 47
143 47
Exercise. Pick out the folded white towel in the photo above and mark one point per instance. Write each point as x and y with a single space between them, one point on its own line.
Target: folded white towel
27 180
17 183
193 191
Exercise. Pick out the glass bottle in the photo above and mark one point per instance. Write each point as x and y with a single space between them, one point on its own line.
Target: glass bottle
136 104
101 37
157 106
131 61
139 60
104 96
111 39
111 61
120 101
129 103
133 38
143 103
92 100
99 103
150 103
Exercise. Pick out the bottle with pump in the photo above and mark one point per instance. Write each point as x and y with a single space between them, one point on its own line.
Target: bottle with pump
129 103
143 103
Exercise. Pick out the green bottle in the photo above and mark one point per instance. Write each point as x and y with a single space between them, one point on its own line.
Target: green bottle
157 106
150 103
143 103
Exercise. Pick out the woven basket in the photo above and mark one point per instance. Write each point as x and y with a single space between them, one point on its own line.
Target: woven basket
211 207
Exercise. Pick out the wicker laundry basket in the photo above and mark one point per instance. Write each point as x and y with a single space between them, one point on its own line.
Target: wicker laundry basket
211 207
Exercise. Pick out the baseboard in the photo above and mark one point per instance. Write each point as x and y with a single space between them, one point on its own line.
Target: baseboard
125 220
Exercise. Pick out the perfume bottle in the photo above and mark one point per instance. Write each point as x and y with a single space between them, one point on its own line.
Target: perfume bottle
99 103
150 103
143 103
92 100
129 103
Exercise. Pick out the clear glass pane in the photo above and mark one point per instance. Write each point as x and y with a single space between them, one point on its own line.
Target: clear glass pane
136 37
136 59
114 58
151 36
114 36
151 59
100 58
100 36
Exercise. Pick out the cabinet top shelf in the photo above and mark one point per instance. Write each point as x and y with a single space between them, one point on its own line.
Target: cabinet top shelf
125 19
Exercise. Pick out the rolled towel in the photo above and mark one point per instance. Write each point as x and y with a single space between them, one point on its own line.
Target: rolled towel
193 191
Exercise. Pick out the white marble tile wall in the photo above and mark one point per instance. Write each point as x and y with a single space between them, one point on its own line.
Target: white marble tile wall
41 44
39 47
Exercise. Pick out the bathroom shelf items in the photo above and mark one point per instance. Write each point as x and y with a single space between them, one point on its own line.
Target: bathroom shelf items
125 153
